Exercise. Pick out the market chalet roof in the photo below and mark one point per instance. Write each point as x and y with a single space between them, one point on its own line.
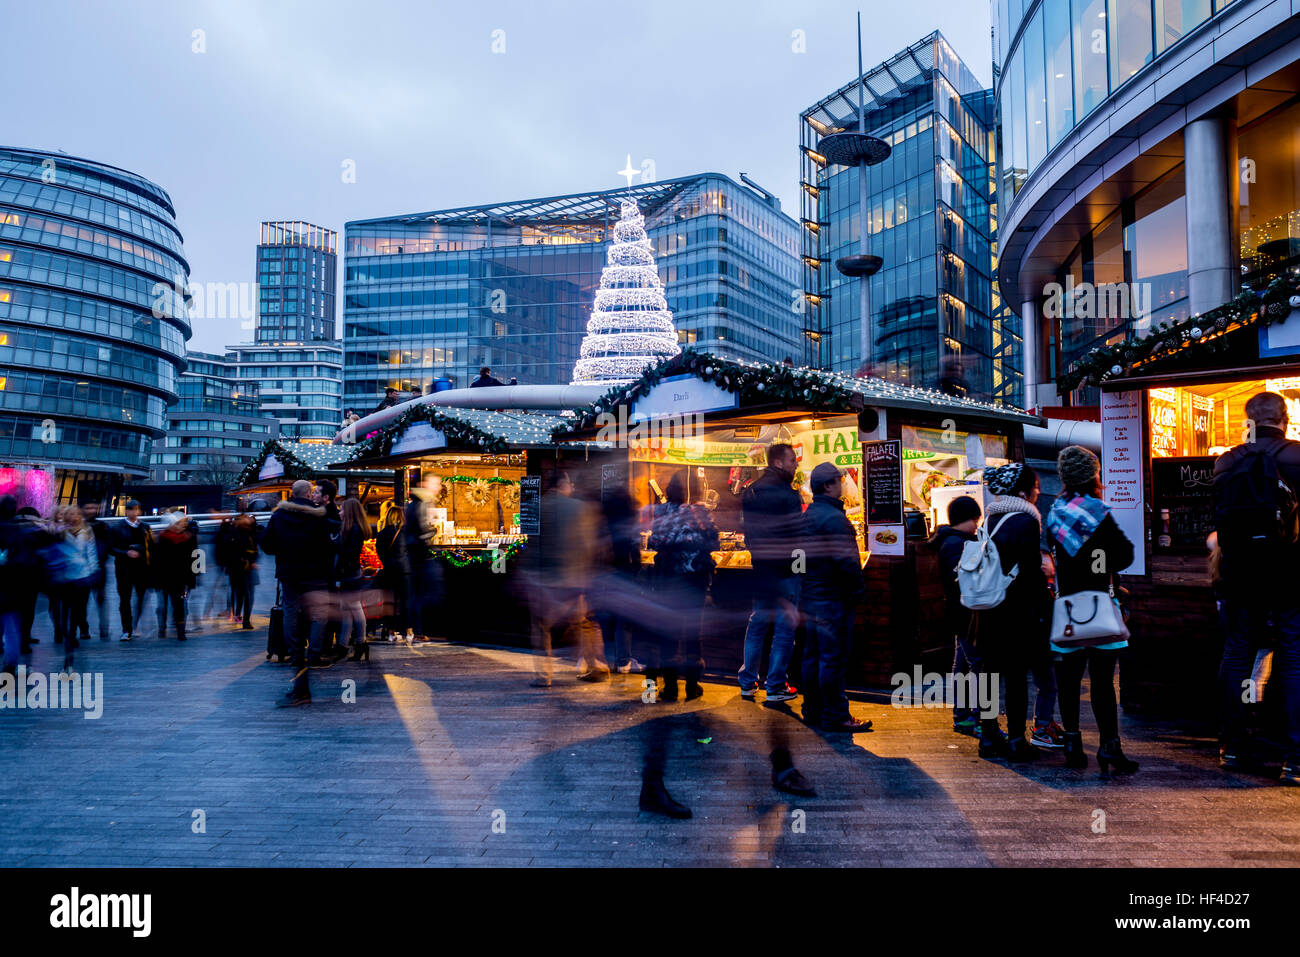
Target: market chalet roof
760 383
469 430
575 208
302 460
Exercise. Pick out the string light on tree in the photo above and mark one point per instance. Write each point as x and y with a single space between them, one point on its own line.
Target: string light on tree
630 326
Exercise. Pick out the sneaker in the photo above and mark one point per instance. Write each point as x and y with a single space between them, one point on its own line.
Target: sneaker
540 683
785 693
994 747
1230 760
595 674
631 667
1290 774
748 693
294 698
1021 751
126 636
1050 736
969 726
851 726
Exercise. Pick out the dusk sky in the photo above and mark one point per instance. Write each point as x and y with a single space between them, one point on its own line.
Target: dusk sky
259 125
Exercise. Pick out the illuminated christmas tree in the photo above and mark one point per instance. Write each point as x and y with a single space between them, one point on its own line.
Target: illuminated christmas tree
630 326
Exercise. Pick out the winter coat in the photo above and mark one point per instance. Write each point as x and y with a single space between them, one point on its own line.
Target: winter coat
124 539
174 553
834 564
298 537
772 513
19 567
348 569
1024 617
948 543
683 538
1107 547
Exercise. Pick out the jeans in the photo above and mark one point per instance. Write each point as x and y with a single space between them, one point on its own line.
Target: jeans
304 626
1247 624
965 660
352 619
776 607
126 584
241 590
176 596
1101 670
1040 666
11 626
828 629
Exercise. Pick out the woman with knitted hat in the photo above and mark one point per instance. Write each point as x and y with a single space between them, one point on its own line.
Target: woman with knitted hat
1089 548
1013 635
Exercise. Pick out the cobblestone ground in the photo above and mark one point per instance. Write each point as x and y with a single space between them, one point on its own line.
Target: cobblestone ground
447 757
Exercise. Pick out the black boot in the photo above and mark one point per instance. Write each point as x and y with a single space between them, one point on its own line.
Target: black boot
1021 751
993 743
656 799
1074 756
1111 755
670 685
693 688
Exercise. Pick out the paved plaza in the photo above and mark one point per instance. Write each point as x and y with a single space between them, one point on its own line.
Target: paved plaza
441 754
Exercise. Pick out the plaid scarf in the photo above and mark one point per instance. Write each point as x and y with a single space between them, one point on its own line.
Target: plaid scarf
1073 519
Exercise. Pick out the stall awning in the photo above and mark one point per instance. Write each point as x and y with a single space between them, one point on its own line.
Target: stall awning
280 461
429 429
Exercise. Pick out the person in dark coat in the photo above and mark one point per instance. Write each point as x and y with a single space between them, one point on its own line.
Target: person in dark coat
90 513
948 542
132 546
241 565
1260 600
1012 638
423 568
1090 549
174 554
299 540
772 513
485 379
391 580
832 587
616 577
17 573
353 533
391 398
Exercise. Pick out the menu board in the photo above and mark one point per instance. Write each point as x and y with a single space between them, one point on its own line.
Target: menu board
530 505
1183 488
883 464
1121 469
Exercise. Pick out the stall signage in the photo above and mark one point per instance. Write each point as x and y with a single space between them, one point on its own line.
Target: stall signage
840 446
683 395
530 505
883 464
419 437
1279 339
271 468
1121 469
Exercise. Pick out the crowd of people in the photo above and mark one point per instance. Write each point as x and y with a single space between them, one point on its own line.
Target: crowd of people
1014 574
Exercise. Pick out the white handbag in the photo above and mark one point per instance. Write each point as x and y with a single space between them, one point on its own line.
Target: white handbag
1087 618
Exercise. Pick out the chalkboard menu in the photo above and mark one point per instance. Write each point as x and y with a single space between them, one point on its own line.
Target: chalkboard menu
1181 487
883 464
530 505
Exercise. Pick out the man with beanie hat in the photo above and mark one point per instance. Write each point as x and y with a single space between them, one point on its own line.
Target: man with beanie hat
832 585
948 540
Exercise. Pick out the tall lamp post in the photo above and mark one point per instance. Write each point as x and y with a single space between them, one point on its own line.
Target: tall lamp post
857 148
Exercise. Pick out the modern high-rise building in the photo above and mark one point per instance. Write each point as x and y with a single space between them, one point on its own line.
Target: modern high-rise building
935 318
296 278
92 327
512 285
1147 148
298 384
214 429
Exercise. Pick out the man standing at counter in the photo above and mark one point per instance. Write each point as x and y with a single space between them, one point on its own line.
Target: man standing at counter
1255 489
831 588
771 510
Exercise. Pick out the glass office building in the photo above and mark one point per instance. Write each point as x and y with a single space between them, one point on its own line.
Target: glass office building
214 429
1147 148
511 286
92 325
298 384
296 279
935 316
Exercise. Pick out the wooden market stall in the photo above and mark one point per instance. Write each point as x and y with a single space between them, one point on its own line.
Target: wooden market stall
268 477
906 451
1171 403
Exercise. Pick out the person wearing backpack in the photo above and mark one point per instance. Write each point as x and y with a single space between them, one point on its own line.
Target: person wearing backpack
1255 505
1012 635
949 541
1090 549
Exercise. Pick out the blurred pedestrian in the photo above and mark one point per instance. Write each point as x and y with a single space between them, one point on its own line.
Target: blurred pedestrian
241 566
617 579
354 531
683 538
17 570
832 587
176 552
299 540
90 513
132 545
420 531
948 542
391 580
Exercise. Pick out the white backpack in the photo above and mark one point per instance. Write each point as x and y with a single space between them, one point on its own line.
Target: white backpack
979 573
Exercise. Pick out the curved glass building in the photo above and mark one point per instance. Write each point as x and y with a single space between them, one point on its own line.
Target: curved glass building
93 324
1149 165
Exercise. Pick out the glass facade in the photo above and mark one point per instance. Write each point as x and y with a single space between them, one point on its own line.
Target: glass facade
296 281
301 386
214 429
512 286
931 216
92 327
1059 59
